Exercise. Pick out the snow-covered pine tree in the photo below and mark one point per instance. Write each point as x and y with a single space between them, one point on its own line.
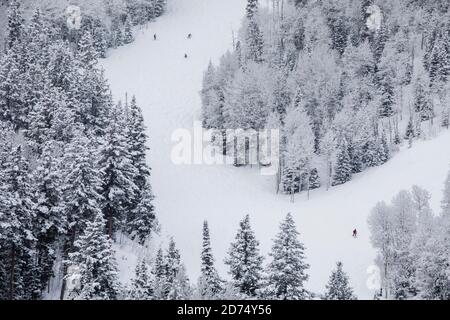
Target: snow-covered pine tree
422 98
209 284
96 264
254 42
287 270
118 172
159 7
128 31
16 230
160 285
244 260
342 170
298 151
338 287
141 285
180 288
15 24
439 68
252 8
11 88
141 221
410 130
445 203
384 150
50 218
314 179
404 228
87 54
175 278
82 186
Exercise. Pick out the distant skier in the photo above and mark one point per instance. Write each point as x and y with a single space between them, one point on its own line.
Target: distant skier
154 37
355 233
189 36
185 55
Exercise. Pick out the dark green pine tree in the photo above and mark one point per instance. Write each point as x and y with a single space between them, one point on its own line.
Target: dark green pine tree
118 172
343 169
287 270
210 285
254 42
338 287
252 8
15 24
95 263
244 260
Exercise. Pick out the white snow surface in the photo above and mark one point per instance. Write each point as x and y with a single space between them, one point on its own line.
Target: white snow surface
167 88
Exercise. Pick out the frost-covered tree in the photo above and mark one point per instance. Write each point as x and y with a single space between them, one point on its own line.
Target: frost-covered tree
287 270
244 260
141 284
49 221
16 218
177 282
15 24
118 187
298 151
128 32
81 192
342 170
95 263
422 98
338 287
252 8
254 42
141 218
209 284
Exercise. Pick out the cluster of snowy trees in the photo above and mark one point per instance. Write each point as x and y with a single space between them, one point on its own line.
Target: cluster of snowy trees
413 245
345 82
283 278
73 168
110 22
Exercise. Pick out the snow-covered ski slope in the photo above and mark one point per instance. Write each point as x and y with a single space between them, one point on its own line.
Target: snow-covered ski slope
167 87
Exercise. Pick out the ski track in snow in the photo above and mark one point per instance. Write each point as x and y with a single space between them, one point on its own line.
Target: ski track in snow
167 88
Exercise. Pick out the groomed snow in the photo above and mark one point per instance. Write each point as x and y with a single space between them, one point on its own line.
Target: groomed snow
167 88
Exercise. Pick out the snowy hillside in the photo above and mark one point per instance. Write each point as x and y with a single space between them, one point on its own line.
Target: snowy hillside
167 87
